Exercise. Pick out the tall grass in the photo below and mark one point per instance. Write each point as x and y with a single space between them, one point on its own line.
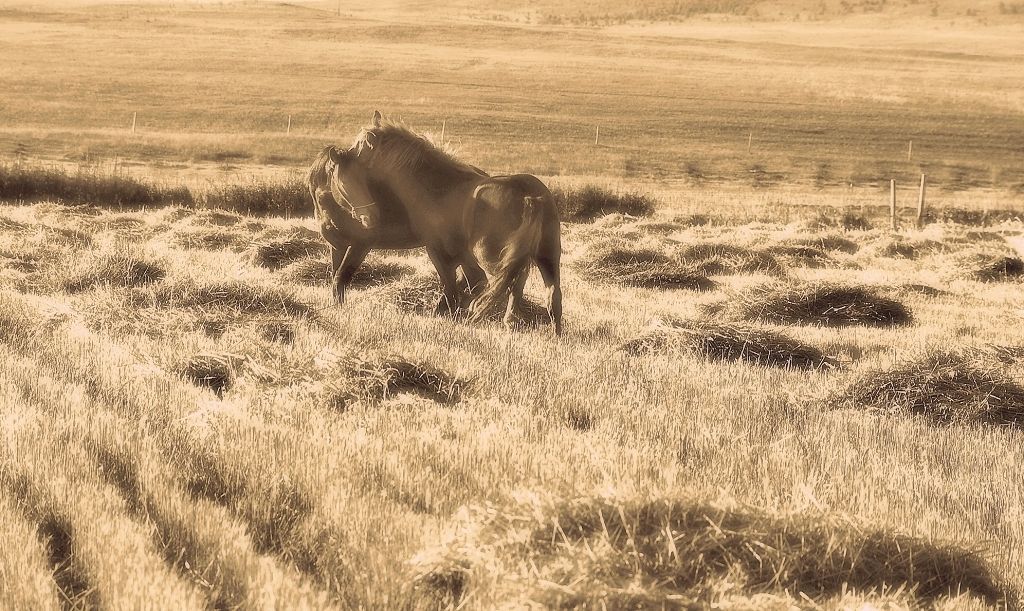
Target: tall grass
25 183
32 183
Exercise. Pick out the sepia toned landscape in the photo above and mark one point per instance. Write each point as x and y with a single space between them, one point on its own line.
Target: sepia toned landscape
765 396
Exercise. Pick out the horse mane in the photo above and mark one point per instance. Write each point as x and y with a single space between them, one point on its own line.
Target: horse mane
393 145
317 176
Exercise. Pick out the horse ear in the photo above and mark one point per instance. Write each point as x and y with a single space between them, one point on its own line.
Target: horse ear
377 118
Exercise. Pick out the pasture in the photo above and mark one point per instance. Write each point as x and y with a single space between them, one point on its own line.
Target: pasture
763 398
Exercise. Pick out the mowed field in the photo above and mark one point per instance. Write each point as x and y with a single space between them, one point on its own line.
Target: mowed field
764 398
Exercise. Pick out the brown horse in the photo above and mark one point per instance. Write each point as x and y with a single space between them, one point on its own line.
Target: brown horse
395 189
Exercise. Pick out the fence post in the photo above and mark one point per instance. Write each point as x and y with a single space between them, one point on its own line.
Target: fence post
750 139
444 124
910 150
597 135
289 130
134 114
892 203
920 204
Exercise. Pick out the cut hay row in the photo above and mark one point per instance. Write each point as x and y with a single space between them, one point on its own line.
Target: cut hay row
826 304
316 271
117 270
277 252
644 267
719 258
944 387
232 295
676 553
987 267
729 342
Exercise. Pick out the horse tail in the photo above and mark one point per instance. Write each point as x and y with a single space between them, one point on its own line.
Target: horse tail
516 257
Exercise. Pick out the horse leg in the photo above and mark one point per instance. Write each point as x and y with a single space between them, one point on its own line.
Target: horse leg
515 300
354 257
472 278
548 267
444 263
337 256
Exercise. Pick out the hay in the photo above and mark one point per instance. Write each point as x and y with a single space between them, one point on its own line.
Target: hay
275 253
944 387
418 294
213 371
803 256
677 553
827 242
727 259
316 271
643 267
210 238
113 270
237 296
725 342
376 380
989 267
826 304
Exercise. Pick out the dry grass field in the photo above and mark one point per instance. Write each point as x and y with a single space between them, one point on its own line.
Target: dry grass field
764 397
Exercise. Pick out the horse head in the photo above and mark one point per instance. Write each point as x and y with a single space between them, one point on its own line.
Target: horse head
350 187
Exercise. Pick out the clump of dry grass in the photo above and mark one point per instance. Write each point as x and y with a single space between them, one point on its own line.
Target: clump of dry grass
215 217
729 342
123 270
213 371
805 256
718 258
945 387
670 552
277 252
316 271
238 296
646 267
210 238
418 294
827 242
989 267
379 379
584 204
827 304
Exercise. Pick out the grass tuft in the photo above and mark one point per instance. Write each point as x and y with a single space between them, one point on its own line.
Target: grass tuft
990 267
827 304
729 342
587 203
945 387
119 270
377 380
275 253
716 258
669 553
645 267
238 296
213 371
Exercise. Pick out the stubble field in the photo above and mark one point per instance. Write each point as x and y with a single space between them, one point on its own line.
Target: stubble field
764 398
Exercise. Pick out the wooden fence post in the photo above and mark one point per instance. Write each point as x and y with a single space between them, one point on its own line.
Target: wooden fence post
134 115
892 203
444 124
750 140
289 130
920 204
910 150
597 135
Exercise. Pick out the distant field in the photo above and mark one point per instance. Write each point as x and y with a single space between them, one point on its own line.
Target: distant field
823 104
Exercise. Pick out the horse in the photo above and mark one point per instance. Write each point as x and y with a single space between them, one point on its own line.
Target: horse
460 214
